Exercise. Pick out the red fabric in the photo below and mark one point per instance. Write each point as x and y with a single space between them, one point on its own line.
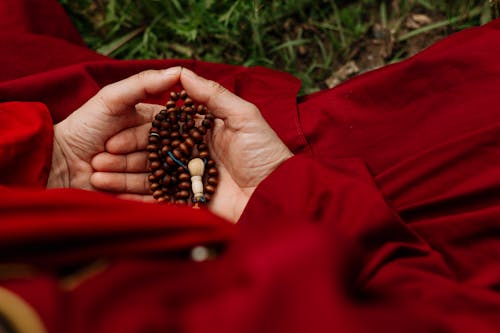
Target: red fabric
386 220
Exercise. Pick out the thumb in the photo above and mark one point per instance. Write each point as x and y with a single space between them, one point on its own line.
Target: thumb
121 97
221 102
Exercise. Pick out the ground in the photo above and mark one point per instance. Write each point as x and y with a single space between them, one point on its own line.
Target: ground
321 42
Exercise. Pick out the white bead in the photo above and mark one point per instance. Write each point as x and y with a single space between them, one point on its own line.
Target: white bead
196 168
200 253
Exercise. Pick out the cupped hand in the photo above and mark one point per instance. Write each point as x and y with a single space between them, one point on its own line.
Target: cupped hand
242 144
85 133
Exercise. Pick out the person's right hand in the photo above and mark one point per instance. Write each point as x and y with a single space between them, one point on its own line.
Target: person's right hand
244 146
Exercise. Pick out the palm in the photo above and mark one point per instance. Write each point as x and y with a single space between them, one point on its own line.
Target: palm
245 155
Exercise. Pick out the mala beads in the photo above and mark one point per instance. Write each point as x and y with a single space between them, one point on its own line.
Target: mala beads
179 159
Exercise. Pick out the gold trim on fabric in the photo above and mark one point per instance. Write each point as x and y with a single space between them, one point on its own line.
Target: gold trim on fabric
16 271
20 315
74 280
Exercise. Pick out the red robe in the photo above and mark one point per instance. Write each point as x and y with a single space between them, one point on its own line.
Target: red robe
386 220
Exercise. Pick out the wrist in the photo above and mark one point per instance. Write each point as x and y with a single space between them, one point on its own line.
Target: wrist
59 174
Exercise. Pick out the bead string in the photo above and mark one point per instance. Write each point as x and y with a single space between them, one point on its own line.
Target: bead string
177 138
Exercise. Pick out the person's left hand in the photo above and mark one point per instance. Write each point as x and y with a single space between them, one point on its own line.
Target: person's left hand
85 133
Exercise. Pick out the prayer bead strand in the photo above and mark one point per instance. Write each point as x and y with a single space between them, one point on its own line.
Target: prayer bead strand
177 138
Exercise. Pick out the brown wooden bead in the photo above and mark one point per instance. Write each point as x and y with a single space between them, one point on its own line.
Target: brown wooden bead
165 150
202 110
212 172
160 116
156 123
196 135
153 156
174 96
204 154
182 194
184 176
183 147
175 143
165 133
212 181
180 169
210 116
175 127
157 194
181 202
165 142
171 104
165 124
154 130
162 199
159 173
170 161
210 163
152 148
153 139
155 186
167 197
166 180
189 124
175 135
184 135
208 197
183 94
184 185
207 123
202 146
189 142
151 178
209 189
188 101
188 109
177 153
182 116
202 130
155 165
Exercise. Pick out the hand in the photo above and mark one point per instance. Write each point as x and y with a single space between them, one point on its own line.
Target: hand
244 146
85 133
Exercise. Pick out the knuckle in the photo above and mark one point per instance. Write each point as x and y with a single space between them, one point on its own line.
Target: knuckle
216 87
253 110
144 75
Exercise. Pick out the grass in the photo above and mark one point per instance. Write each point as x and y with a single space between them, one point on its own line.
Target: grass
311 39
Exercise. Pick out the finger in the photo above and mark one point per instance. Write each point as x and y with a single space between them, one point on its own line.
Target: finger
133 162
120 97
129 140
134 138
136 183
147 112
220 101
137 197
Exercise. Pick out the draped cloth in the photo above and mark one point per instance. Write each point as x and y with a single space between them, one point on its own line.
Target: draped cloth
387 219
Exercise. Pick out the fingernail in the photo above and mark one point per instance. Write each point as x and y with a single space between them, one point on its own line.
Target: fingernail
188 72
172 70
